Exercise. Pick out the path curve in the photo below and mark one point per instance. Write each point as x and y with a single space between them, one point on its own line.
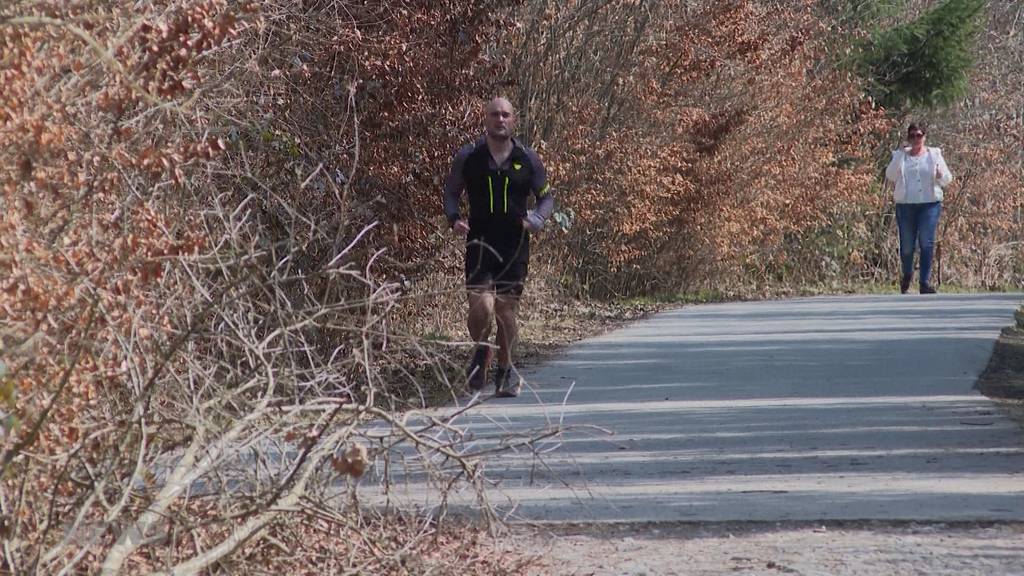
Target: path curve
826 408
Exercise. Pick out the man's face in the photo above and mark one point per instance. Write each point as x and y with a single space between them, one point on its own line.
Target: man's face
499 119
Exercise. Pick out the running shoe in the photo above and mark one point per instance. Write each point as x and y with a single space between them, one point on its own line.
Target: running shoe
507 382
478 367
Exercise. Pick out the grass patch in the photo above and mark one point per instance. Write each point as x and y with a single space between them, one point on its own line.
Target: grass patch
1003 378
679 299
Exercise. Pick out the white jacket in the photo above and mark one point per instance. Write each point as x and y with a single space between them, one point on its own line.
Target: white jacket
894 173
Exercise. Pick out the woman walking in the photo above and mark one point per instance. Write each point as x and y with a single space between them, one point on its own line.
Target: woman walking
918 173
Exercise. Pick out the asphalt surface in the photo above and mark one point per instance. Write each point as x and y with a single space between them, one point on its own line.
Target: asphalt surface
833 408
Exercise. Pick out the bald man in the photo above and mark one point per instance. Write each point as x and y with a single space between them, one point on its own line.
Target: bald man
498 174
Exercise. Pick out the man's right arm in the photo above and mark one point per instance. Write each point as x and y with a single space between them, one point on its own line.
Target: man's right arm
454 185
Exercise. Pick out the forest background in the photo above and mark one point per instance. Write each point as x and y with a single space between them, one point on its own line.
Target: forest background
222 223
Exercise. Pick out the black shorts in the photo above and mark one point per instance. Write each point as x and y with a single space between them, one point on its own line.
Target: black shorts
496 267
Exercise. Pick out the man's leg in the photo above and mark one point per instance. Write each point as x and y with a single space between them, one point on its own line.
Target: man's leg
506 378
508 287
481 313
479 320
505 308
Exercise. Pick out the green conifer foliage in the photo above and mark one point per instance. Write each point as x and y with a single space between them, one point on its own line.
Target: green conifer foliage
927 61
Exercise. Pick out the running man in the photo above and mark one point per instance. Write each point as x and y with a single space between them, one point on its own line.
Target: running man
498 175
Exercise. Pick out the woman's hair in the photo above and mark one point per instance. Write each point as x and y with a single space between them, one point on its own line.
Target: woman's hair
916 128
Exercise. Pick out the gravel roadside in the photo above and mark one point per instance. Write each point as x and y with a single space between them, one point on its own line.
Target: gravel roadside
809 549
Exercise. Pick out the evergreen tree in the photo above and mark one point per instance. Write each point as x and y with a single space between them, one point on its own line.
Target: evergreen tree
925 62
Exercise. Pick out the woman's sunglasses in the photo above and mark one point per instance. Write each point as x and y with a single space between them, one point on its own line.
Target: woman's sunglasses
916 135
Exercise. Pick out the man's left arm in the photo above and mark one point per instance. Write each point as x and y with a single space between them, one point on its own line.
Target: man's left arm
454 186
545 198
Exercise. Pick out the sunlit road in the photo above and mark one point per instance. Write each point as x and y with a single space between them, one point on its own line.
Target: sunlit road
819 408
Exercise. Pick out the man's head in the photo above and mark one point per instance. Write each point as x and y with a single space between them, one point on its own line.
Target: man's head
499 119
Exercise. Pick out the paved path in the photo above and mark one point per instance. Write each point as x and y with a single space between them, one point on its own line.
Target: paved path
807 409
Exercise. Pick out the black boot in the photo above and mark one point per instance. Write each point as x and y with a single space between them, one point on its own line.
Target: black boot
928 289
478 367
904 284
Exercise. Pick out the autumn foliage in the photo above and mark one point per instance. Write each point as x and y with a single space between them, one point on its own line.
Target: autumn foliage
731 147
190 277
718 152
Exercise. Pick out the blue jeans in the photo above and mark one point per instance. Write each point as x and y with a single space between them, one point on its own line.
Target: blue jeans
917 224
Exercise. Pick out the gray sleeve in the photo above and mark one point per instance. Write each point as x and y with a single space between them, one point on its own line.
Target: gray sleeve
541 189
454 185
